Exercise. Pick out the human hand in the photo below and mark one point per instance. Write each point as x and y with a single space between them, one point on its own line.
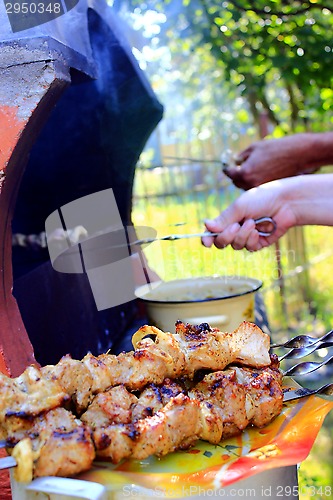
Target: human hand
272 159
237 223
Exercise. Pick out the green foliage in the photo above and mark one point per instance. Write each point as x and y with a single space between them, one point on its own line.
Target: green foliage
277 54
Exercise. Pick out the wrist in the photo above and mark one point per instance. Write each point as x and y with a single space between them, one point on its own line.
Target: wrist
318 148
293 197
310 199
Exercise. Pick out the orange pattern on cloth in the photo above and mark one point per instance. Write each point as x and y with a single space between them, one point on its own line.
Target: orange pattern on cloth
4 481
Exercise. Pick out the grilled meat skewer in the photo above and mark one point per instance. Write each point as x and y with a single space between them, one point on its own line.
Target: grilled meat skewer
118 421
53 443
181 354
168 356
159 420
222 405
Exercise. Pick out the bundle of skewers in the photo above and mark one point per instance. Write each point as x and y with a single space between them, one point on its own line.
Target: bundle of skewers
170 391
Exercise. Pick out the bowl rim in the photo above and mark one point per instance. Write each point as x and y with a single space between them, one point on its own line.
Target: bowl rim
257 284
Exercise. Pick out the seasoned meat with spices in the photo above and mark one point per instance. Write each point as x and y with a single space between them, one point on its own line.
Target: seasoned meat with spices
191 348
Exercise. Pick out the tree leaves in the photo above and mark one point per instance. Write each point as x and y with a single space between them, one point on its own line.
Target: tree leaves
278 53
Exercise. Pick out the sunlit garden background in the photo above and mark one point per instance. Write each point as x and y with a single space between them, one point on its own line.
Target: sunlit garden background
229 73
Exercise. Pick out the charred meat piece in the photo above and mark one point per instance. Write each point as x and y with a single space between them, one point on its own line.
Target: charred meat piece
112 406
149 402
158 435
74 377
60 445
204 348
264 388
29 394
222 390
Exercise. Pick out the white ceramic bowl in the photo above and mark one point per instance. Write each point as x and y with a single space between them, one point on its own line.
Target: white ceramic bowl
221 301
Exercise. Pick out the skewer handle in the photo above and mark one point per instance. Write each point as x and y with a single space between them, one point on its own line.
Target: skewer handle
7 463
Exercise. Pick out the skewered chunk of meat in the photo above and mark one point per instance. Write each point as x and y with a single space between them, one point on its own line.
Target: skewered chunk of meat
149 402
204 348
29 394
147 364
59 444
222 390
156 435
64 445
119 406
264 389
74 377
112 406
117 421
245 395
250 345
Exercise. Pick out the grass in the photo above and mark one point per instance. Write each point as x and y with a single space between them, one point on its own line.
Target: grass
316 472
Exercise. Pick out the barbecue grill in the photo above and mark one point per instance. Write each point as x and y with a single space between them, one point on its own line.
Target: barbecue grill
58 76
74 106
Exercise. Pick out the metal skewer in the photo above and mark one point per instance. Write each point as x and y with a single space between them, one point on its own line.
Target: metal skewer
172 237
325 390
301 352
305 341
306 367
7 463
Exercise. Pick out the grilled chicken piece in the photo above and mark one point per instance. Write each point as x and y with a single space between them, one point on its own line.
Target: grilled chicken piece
204 348
74 377
29 394
154 397
250 345
245 395
119 406
222 390
157 435
64 446
208 348
147 364
13 429
60 445
149 403
112 406
263 387
165 342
